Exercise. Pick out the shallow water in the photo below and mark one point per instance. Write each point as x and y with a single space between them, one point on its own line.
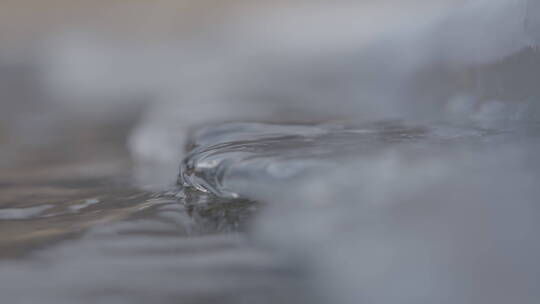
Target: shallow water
387 211
118 245
136 248
341 211
312 192
286 152
79 229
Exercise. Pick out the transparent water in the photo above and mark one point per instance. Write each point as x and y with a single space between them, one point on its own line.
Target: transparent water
387 211
346 152
77 233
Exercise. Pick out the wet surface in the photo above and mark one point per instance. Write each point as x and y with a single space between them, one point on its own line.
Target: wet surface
76 228
368 208
312 193
279 152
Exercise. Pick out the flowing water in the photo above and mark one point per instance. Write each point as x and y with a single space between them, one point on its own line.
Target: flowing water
372 152
80 231
75 227
387 211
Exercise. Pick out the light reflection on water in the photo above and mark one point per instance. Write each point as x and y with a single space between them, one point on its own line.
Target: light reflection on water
74 228
99 244
77 230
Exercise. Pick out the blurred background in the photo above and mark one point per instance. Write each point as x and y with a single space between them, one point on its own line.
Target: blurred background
168 65
98 100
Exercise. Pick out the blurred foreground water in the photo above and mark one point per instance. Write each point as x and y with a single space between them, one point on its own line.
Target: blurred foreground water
387 212
75 228
352 152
